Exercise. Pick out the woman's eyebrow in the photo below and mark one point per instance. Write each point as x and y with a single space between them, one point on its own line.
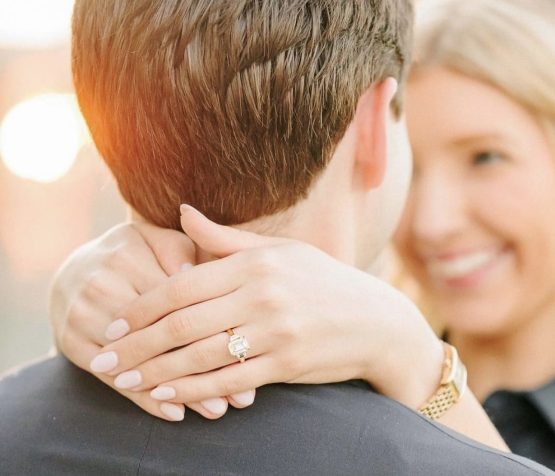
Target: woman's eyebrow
473 138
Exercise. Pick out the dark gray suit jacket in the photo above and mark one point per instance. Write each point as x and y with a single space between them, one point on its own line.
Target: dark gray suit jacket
56 419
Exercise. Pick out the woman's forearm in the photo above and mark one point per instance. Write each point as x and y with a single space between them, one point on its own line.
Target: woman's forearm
406 365
469 418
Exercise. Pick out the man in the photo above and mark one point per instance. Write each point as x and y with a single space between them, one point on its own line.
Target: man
272 115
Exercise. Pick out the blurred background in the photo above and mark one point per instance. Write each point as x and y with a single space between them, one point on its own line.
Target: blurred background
55 192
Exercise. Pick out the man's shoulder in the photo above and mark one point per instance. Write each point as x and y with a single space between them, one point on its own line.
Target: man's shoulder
50 410
58 419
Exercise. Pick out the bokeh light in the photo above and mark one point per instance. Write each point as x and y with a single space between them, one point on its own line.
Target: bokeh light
41 136
23 25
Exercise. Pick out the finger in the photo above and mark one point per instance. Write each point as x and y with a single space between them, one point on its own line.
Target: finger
220 240
86 323
200 357
242 399
108 292
172 248
93 311
200 283
175 330
79 350
129 255
212 409
233 379
172 412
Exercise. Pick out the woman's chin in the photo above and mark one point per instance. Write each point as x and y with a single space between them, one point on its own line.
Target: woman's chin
477 320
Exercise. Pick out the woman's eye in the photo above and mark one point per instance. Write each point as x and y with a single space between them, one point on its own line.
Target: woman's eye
486 157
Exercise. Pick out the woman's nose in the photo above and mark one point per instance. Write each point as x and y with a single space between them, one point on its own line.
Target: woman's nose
439 211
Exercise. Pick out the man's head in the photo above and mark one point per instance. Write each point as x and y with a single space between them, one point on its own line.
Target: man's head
236 107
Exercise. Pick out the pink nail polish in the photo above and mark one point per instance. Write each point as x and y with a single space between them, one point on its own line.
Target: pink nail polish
117 329
104 362
163 393
217 406
244 398
184 208
173 412
128 379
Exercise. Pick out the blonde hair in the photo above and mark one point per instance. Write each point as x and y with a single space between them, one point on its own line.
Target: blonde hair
509 44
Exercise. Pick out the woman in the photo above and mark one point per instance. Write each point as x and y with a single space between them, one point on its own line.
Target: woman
456 256
478 231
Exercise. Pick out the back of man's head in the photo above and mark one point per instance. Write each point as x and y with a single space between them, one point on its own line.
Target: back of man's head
234 107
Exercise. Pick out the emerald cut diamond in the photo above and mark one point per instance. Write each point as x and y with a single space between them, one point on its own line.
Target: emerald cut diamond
238 346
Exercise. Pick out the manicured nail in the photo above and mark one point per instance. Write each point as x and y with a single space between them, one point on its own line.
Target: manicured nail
104 362
186 208
244 398
173 412
128 379
186 266
163 393
117 329
217 406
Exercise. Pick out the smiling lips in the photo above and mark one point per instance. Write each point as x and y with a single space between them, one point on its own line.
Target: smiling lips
460 268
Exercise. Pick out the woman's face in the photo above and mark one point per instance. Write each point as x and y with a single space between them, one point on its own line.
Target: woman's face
479 228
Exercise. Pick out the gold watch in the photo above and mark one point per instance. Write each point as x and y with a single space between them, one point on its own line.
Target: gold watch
451 387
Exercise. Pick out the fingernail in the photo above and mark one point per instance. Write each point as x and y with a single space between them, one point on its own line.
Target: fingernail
117 329
173 412
104 362
128 379
186 266
163 393
244 398
186 208
217 406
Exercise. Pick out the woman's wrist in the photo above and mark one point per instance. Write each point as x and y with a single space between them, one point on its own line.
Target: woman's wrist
408 364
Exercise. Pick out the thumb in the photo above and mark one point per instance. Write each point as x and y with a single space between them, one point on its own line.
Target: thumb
220 240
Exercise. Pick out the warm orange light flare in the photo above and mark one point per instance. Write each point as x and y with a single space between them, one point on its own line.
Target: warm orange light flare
40 137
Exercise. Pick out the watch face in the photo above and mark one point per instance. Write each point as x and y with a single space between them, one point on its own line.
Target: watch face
459 377
456 371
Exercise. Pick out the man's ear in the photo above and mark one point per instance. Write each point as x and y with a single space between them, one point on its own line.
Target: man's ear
370 122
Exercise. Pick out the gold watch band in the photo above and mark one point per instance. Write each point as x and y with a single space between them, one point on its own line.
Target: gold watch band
451 388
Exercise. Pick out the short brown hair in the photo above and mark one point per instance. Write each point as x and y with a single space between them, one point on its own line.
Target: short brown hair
231 106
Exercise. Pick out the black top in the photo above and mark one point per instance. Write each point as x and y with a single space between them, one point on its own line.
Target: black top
56 419
526 420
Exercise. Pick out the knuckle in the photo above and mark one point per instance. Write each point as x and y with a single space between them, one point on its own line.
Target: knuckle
132 355
179 326
270 296
289 328
265 262
77 312
96 287
201 356
120 257
229 386
178 291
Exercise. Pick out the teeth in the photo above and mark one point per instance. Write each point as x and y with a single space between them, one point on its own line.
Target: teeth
461 266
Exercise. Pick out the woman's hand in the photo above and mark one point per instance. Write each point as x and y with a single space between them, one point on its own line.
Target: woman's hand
307 317
103 277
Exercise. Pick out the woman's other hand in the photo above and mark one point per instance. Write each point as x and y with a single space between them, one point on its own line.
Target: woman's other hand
103 277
